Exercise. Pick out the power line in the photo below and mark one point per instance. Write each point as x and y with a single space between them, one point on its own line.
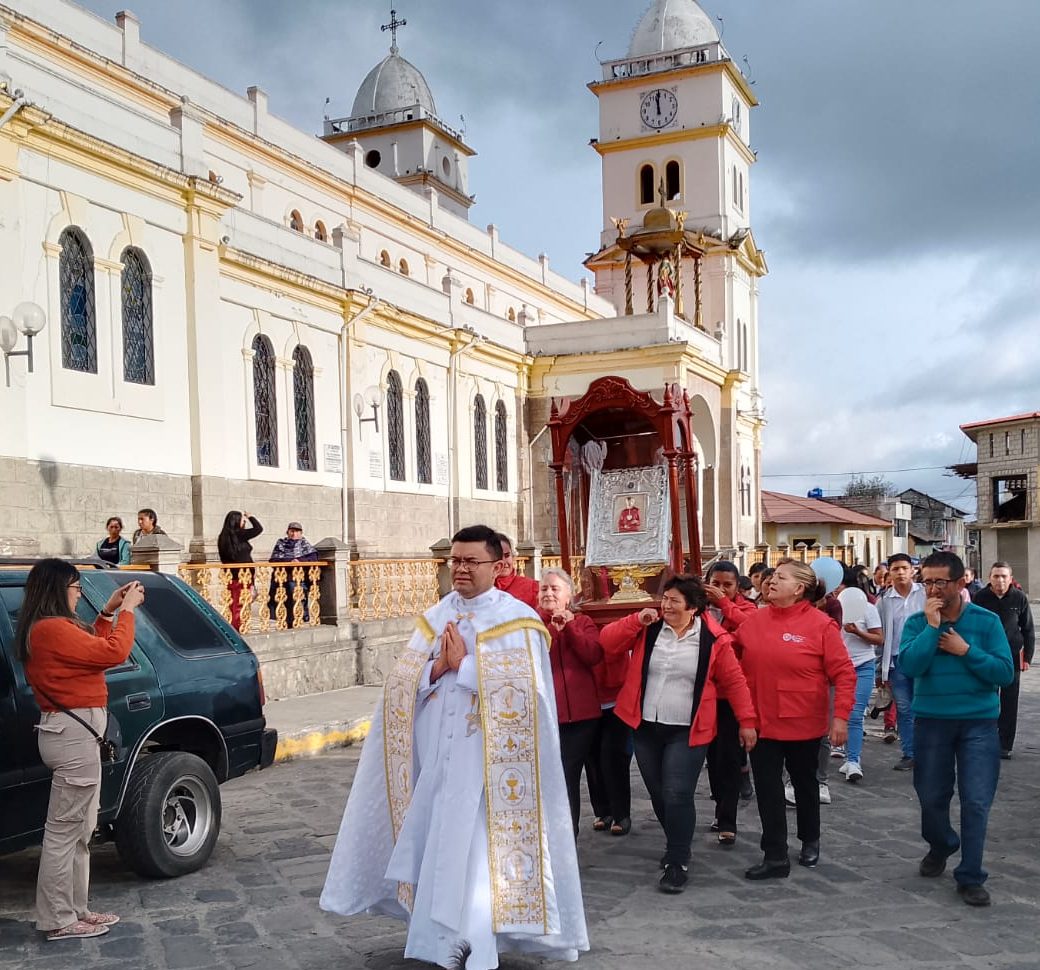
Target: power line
869 471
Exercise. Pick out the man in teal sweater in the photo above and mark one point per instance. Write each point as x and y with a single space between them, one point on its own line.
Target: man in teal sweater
959 657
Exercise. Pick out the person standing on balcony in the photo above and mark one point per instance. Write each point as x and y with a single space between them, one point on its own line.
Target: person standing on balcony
292 547
235 548
458 820
147 524
1012 606
114 548
510 581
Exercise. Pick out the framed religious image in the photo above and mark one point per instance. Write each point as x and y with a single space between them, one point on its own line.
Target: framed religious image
628 517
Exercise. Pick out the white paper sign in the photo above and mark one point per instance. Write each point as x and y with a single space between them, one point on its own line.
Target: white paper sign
333 458
442 468
375 464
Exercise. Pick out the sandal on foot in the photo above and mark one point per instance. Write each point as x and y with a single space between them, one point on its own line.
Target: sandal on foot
727 838
77 931
601 823
99 919
622 827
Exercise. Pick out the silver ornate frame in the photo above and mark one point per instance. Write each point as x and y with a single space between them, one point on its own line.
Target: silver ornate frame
606 546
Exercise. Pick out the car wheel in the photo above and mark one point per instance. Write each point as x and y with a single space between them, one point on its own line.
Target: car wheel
170 817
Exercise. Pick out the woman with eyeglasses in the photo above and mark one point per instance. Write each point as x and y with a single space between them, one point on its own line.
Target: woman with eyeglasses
65 662
792 653
682 663
573 653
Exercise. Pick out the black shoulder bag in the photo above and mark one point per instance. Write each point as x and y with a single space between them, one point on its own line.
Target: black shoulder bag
108 744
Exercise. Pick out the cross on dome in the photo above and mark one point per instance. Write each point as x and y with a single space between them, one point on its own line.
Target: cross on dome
392 27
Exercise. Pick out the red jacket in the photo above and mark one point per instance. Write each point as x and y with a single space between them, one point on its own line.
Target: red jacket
734 612
791 655
573 653
610 674
521 588
724 677
69 663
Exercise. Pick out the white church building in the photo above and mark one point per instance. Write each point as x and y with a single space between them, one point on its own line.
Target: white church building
244 315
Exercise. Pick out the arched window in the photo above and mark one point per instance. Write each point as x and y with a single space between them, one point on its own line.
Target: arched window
423 456
138 342
384 258
296 221
469 297
501 453
395 425
646 185
673 188
511 315
78 319
402 267
303 409
480 449
265 402
320 232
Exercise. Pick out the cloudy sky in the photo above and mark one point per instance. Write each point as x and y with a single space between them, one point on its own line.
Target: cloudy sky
896 193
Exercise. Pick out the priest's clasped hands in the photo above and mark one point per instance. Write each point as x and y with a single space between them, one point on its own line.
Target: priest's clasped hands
453 652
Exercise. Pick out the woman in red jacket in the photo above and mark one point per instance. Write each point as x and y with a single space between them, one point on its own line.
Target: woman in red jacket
792 653
573 654
681 663
65 663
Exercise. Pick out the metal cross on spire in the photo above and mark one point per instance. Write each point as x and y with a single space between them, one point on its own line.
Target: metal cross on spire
392 27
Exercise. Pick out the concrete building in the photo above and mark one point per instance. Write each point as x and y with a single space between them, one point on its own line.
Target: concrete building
888 507
1006 471
792 521
934 525
242 316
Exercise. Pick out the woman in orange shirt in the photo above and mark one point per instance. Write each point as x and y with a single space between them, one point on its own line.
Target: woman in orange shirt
65 663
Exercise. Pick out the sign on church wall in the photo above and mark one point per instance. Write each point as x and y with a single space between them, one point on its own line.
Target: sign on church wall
333 458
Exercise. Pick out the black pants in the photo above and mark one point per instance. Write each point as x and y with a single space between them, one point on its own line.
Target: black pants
607 769
1008 721
724 763
670 769
768 760
576 740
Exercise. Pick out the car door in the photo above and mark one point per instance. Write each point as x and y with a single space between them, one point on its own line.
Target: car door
11 768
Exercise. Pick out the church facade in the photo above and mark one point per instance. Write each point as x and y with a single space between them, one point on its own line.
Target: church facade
242 316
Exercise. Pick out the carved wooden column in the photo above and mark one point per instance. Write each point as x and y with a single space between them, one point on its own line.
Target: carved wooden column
692 528
673 497
649 287
628 284
561 519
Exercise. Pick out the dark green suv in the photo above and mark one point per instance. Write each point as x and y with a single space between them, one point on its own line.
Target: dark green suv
189 703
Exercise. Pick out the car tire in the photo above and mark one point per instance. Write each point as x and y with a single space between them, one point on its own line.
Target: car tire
170 817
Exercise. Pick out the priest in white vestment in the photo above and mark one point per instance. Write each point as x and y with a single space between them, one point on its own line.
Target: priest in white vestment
458 820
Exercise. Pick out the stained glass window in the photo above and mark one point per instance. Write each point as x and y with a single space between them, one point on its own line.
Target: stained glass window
78 316
303 408
423 457
395 425
480 448
501 456
265 402
138 342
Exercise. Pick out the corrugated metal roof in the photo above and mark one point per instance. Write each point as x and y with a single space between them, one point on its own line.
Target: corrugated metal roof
788 509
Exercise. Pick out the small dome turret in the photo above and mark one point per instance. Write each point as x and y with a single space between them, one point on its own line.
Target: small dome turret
394 83
671 25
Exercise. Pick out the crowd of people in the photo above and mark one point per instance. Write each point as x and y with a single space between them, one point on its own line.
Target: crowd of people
762 678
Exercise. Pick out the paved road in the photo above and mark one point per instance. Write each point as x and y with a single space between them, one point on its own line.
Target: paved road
255 905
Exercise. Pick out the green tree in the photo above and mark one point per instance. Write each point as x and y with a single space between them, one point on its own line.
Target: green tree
877 486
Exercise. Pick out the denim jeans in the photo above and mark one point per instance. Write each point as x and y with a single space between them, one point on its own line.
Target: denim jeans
967 751
903 694
864 685
670 769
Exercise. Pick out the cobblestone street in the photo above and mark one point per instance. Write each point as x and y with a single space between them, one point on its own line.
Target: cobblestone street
255 904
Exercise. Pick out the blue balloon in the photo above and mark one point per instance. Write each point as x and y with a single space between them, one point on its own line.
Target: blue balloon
829 571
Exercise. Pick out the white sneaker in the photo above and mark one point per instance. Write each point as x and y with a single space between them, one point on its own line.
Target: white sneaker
825 795
789 794
844 769
853 772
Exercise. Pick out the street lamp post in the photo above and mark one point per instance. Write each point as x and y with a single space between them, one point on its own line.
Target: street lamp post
29 319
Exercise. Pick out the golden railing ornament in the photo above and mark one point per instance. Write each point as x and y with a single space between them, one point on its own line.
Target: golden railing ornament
627 580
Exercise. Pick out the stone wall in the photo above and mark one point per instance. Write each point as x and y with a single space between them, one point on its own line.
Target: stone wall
52 508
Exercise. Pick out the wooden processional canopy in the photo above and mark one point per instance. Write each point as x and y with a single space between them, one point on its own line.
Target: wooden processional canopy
635 426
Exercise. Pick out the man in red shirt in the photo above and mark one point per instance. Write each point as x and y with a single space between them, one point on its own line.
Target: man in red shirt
511 582
629 519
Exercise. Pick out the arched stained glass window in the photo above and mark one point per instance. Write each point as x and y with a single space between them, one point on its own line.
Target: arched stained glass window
480 445
303 408
78 315
501 453
138 342
265 402
423 452
395 425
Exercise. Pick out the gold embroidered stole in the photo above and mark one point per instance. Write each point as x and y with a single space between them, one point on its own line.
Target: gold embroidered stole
399 695
509 717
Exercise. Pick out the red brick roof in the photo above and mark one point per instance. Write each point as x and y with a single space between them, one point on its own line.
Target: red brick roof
975 425
790 509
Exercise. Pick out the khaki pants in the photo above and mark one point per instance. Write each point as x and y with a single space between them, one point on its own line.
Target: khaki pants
71 752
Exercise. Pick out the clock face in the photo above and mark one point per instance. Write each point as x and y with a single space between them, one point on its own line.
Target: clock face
658 108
